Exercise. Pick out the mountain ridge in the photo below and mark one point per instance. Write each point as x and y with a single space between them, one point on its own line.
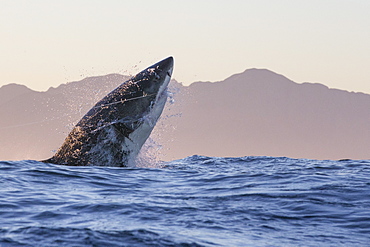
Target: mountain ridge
256 112
126 77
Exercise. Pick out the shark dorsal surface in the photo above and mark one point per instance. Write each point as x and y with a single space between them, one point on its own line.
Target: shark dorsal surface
114 130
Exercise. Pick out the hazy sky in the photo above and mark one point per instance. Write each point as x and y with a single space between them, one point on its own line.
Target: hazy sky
45 43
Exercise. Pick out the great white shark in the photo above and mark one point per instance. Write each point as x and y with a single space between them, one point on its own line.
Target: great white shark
114 130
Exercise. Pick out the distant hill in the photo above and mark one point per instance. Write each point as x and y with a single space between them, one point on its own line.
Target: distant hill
257 112
11 91
33 124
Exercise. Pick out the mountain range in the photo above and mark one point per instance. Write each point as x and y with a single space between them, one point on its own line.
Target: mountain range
257 112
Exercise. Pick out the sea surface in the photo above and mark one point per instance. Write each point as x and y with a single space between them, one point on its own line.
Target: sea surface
195 201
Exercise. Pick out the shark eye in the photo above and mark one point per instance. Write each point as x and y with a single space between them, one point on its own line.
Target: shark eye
168 73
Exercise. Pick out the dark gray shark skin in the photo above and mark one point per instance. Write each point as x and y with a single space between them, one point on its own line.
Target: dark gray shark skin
114 130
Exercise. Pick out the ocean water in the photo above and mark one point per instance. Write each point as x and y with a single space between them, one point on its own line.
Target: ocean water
196 201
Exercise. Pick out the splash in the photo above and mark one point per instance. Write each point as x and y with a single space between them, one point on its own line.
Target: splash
153 150
149 155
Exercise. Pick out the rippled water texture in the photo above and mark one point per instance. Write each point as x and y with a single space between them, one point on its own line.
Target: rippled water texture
196 201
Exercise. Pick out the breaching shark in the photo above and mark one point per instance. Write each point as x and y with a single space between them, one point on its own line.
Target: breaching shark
114 130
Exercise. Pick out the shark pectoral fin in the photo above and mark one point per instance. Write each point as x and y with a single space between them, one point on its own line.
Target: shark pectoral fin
122 129
126 128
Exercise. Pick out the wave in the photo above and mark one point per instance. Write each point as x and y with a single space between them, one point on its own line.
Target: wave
195 201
